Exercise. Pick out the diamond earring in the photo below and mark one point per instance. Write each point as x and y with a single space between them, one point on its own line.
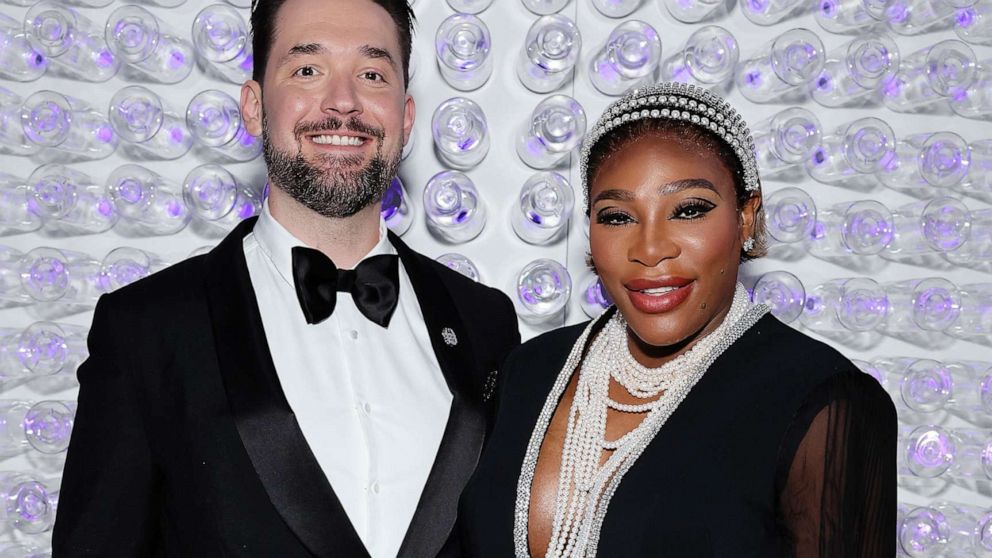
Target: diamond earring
748 245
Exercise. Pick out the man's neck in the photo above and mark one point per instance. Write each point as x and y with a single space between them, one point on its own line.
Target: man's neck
344 240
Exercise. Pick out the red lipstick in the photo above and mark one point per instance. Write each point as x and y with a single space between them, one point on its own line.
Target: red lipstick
658 303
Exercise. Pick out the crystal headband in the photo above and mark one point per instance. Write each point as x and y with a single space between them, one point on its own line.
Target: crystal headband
677 101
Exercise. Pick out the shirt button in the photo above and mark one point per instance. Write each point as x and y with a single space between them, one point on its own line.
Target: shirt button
375 488
367 408
354 334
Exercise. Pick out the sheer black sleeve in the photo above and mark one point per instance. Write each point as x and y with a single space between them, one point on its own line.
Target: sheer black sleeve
837 471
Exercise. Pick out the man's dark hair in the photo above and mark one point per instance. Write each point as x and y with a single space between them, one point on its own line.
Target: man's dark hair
263 32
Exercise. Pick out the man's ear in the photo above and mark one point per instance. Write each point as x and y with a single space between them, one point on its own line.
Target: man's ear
409 115
251 107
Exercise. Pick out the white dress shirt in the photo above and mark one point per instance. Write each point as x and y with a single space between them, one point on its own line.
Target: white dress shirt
371 401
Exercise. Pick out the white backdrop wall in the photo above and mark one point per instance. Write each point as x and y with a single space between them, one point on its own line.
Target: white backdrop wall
497 251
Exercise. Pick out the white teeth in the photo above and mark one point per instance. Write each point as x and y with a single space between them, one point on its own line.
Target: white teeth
338 140
659 290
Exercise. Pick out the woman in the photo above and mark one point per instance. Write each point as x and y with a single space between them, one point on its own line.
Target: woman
684 421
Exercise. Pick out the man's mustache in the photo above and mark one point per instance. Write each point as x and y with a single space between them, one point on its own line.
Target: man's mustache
353 124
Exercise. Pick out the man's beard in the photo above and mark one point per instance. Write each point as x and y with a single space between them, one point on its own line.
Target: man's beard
323 188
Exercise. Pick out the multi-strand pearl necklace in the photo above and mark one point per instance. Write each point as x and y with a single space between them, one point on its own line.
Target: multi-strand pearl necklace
584 486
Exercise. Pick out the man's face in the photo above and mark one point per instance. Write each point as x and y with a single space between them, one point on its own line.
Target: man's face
335 114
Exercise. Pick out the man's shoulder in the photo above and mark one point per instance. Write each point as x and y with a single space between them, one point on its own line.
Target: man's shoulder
178 282
465 289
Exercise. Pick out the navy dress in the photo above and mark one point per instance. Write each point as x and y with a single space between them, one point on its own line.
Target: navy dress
783 448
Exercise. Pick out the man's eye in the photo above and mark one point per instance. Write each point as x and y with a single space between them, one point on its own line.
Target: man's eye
373 76
306 71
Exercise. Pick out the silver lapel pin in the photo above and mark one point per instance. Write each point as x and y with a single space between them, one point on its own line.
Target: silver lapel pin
449 336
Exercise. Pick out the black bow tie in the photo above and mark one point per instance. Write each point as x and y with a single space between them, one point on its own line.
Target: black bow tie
374 284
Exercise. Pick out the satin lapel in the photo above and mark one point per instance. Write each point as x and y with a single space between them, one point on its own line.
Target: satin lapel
268 428
461 444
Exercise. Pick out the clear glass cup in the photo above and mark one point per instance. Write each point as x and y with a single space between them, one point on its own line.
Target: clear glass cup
454 210
973 24
22 57
147 45
927 228
550 51
707 59
790 215
542 290
976 253
930 304
972 397
780 70
769 12
854 73
924 165
221 40
461 264
28 505
695 11
925 451
395 211
53 275
929 76
69 202
543 208
785 140
43 349
16 213
975 322
74 45
150 128
13 140
970 527
853 154
469 6
849 16
923 532
148 204
461 133
555 128
463 48
48 425
855 304
125 265
851 230
912 17
544 7
783 292
217 198
214 119
594 299
67 126
629 57
616 8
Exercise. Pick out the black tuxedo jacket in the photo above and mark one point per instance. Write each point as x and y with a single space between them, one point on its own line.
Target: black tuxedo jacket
184 444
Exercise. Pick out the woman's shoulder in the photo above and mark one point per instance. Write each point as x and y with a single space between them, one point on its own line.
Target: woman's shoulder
550 344
770 341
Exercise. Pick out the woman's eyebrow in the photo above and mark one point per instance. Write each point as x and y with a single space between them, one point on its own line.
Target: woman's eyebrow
616 194
687 184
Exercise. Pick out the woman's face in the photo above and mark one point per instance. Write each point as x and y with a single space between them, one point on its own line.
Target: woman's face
666 238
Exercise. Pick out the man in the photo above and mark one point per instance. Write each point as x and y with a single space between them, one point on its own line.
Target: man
261 400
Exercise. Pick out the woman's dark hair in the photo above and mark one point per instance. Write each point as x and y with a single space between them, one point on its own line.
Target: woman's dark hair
263 32
691 136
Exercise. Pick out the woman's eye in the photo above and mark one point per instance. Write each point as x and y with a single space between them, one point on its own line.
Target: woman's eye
693 210
613 218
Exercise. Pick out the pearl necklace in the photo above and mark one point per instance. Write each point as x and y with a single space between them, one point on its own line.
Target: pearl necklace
584 486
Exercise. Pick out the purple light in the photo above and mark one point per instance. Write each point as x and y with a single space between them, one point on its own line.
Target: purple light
828 8
247 140
892 87
37 60
105 134
965 18
897 12
819 156
105 208
177 59
758 6
174 208
753 79
177 134
247 210
681 73
105 59
824 83
247 63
